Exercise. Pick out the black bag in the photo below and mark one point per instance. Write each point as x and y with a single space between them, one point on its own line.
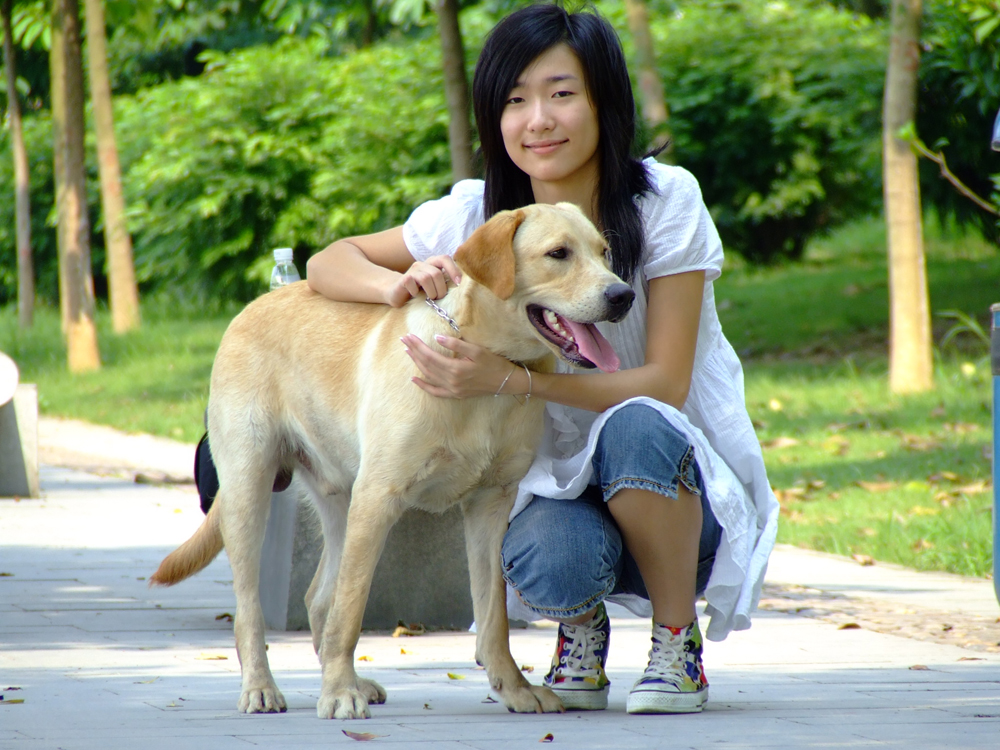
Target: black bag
205 476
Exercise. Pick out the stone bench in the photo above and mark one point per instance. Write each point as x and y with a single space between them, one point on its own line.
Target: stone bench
422 576
18 433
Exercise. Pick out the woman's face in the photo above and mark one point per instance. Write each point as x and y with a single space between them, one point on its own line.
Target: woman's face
549 124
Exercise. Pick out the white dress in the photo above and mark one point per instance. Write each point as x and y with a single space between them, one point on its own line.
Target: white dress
680 236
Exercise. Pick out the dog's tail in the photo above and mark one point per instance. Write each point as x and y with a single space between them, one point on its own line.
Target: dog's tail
194 555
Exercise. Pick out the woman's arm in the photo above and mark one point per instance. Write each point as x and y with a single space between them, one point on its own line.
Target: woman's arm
672 318
378 268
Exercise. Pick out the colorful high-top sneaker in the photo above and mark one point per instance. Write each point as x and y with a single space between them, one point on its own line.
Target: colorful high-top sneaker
674 682
577 675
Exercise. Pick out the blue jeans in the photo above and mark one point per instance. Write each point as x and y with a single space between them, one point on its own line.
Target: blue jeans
563 557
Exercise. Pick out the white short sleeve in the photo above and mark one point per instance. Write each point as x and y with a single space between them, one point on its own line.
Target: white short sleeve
439 227
680 234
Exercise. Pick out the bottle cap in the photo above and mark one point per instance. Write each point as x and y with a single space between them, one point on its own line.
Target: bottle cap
283 255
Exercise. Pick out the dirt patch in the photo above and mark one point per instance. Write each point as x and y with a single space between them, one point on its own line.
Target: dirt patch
965 631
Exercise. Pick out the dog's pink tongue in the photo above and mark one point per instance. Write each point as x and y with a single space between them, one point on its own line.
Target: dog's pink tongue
594 346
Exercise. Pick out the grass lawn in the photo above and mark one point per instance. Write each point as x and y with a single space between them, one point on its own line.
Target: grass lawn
857 470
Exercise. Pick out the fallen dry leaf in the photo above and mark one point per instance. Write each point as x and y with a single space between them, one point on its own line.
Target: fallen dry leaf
362 736
961 428
428 706
527 668
224 616
146 682
403 651
922 544
453 676
365 658
211 657
5 702
971 658
849 626
943 476
837 445
547 738
920 668
919 443
864 560
6 575
779 442
414 628
875 486
489 699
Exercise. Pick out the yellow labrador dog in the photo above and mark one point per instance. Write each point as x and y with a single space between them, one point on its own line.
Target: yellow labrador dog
323 388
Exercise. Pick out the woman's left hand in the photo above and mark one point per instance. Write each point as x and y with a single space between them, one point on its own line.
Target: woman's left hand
474 372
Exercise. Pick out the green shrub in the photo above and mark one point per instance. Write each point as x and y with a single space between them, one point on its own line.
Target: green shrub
273 146
776 109
958 98
279 146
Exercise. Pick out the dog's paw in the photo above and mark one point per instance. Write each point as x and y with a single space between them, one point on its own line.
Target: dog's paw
267 700
532 699
374 692
347 703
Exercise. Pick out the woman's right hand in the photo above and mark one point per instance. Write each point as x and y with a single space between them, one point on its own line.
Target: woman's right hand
429 276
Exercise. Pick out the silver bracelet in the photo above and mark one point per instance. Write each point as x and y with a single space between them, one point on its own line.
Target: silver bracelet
527 396
505 381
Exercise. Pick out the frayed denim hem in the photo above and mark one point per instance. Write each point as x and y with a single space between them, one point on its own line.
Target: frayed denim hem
686 476
565 613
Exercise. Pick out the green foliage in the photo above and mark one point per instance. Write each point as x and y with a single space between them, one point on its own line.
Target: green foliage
959 92
274 146
278 146
776 108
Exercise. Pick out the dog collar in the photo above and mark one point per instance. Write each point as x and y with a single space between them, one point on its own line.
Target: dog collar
440 311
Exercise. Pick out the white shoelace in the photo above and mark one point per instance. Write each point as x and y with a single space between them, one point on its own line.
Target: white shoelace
582 654
665 655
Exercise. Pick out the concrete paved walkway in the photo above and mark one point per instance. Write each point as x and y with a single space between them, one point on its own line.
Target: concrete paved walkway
101 661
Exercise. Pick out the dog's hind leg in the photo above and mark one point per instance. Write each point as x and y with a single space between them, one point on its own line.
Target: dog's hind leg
344 694
486 513
244 504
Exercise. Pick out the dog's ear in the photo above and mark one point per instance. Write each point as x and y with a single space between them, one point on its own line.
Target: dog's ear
488 255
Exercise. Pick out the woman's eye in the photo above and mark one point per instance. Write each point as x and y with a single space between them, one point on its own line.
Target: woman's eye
559 253
562 94
515 100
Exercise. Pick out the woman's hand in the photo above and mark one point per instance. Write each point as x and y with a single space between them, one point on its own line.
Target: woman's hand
429 276
474 372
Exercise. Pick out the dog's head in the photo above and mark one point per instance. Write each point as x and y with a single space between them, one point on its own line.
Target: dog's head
552 265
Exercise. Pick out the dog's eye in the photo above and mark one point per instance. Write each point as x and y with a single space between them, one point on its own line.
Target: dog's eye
560 253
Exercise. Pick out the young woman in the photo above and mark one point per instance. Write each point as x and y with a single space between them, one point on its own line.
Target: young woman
650 488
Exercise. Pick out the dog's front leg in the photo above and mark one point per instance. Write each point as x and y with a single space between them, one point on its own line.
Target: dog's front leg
344 694
486 516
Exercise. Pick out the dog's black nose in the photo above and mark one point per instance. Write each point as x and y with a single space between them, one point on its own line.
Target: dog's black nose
620 298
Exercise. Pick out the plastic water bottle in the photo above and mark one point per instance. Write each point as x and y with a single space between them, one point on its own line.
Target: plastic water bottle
284 272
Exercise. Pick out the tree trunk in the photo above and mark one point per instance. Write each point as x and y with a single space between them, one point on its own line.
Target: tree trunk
456 89
910 352
654 106
123 293
22 185
76 284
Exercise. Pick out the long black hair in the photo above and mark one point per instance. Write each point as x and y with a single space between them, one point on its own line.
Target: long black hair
512 45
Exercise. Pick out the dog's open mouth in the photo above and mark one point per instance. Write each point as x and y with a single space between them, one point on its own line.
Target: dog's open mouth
580 343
